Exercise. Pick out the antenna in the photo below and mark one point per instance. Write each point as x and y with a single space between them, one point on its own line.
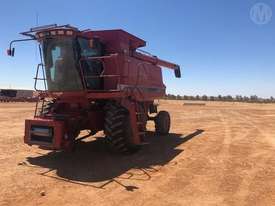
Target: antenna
37 17
36 24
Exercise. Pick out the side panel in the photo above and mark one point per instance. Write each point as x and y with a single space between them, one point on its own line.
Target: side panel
56 126
143 77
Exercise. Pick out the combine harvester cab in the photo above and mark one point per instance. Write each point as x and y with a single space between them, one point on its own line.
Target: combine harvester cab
94 80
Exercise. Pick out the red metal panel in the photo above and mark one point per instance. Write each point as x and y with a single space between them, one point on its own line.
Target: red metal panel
117 40
58 132
130 106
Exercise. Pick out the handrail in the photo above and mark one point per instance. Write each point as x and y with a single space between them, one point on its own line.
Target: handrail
101 75
33 30
99 57
104 75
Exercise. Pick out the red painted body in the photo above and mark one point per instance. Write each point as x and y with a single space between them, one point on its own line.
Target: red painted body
131 78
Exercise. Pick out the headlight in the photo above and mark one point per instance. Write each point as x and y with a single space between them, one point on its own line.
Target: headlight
41 133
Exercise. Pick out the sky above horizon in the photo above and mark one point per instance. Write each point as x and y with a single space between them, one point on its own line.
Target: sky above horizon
216 43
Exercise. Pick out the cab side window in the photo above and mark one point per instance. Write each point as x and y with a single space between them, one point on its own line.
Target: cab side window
92 69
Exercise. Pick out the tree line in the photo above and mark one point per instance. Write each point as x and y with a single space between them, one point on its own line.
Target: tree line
227 98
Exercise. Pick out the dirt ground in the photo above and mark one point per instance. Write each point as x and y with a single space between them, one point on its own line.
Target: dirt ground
217 154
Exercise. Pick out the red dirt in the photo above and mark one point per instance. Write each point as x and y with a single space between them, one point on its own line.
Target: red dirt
218 154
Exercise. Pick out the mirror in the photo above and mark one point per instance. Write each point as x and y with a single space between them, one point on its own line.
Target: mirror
177 72
10 52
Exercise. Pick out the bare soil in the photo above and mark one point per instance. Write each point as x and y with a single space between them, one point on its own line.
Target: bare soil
217 154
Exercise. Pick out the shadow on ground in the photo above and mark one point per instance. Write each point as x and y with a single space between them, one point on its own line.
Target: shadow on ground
92 163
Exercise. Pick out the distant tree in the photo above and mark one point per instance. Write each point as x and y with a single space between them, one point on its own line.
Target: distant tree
254 98
228 98
246 99
171 96
204 98
185 97
239 98
179 97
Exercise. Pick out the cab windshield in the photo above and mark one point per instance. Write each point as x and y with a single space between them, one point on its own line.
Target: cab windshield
60 61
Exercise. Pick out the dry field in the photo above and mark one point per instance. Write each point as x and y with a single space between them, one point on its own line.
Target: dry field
218 154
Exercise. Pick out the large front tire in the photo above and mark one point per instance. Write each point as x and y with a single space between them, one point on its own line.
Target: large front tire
117 129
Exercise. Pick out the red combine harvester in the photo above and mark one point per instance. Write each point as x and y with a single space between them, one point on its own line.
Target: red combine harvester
94 80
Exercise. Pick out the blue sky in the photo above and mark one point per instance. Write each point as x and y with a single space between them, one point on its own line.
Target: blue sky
220 49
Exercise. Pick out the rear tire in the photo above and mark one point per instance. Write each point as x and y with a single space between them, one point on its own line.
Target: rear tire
117 129
162 123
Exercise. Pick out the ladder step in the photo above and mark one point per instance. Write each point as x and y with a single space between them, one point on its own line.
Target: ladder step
144 143
140 113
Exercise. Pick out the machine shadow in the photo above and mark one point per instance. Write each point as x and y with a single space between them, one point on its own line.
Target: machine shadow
92 163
